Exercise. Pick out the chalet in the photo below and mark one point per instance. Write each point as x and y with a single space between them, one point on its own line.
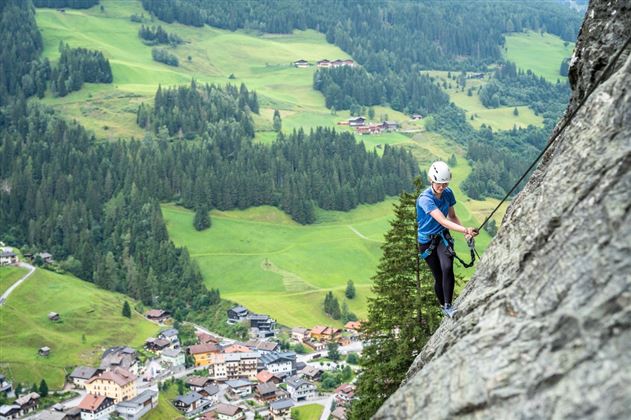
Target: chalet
416 117
339 413
8 257
138 406
300 389
265 392
210 392
315 345
118 384
156 344
370 129
281 409
390 125
352 326
81 374
45 256
191 403
265 376
237 348
356 121
54 316
27 403
204 338
158 315
299 334
237 314
229 412
311 373
171 335
173 357
44 351
120 357
301 64
262 322
95 407
324 333
337 63
278 363
6 387
349 63
344 394
202 353
262 346
196 383
239 388
323 64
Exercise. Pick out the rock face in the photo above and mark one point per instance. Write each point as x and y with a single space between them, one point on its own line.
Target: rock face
544 326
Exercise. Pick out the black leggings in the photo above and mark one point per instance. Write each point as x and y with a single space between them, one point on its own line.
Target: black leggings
441 262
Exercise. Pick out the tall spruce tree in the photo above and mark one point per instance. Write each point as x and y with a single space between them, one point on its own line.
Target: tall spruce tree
126 310
402 315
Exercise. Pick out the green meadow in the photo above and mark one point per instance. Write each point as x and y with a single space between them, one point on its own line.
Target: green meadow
501 118
9 275
307 412
540 52
91 321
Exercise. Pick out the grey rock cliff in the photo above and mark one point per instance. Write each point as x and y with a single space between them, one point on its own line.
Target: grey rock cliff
544 326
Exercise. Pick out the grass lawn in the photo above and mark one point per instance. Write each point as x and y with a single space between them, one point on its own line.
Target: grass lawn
307 412
541 53
165 410
501 118
9 275
91 322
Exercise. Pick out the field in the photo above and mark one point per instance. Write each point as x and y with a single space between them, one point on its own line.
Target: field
501 118
307 412
541 53
9 275
165 410
91 321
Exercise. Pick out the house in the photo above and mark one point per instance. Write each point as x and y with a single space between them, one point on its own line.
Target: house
300 334
210 392
202 353
118 384
262 346
158 315
370 129
278 363
54 316
156 344
204 338
81 374
416 117
27 403
236 314
390 125
261 322
352 326
315 345
339 413
239 388
9 411
236 365
237 348
356 121
337 63
281 409
173 357
5 386
138 406
120 357
311 373
301 64
324 333
45 256
95 407
344 394
349 63
8 257
171 335
323 64
196 383
300 389
44 351
266 376
265 392
229 412
191 403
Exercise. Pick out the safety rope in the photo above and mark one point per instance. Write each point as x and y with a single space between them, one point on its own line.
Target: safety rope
560 130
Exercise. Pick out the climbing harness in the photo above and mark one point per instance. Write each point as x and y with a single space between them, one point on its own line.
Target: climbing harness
448 241
566 122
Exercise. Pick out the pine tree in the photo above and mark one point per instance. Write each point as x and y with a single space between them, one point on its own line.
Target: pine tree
202 220
402 315
126 310
350 290
277 121
43 388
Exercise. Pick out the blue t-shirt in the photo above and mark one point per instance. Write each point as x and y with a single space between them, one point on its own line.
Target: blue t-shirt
426 203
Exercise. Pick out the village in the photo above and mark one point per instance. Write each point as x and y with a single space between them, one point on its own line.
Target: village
216 377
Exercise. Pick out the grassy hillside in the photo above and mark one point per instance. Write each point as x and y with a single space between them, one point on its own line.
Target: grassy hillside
501 118
541 53
9 275
91 322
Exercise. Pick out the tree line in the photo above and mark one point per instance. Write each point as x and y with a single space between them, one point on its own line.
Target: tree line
153 35
73 4
76 66
191 110
163 56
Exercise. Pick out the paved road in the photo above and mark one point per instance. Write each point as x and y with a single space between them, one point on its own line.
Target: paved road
6 294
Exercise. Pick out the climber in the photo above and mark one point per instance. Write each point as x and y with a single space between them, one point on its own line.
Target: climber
435 215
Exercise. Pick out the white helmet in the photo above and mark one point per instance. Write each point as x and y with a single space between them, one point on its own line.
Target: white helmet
439 172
